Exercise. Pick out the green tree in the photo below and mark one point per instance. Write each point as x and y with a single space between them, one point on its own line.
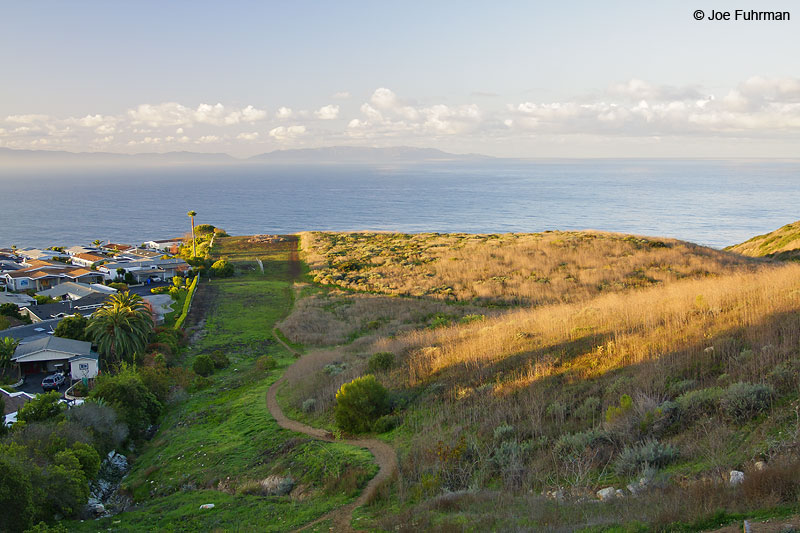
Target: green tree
192 214
121 327
63 487
359 403
222 268
8 346
203 365
72 327
128 394
16 490
42 407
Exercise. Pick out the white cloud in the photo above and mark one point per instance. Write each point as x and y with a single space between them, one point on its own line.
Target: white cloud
27 119
283 113
341 95
328 112
283 133
207 139
248 136
174 114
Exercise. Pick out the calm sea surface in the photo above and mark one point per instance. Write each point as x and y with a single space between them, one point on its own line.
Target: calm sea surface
715 203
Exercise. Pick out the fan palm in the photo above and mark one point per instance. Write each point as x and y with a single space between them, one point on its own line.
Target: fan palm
121 327
192 214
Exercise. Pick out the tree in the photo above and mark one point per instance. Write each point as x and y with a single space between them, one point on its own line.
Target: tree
72 327
8 345
121 327
128 394
97 242
222 268
16 490
359 403
42 407
192 214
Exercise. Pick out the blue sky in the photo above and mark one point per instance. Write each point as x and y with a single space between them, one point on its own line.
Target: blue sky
529 79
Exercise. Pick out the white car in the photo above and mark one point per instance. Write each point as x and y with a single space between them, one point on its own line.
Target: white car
53 382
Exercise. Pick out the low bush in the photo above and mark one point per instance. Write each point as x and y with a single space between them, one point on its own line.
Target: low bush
696 403
219 359
588 409
574 444
42 407
265 363
380 362
128 394
385 423
504 432
651 453
615 412
80 390
203 365
359 403
222 269
309 405
742 401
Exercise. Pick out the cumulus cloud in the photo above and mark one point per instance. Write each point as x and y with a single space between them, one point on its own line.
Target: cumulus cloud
284 113
248 136
328 112
174 114
284 133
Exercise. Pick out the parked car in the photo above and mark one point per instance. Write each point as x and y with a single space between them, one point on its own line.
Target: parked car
53 382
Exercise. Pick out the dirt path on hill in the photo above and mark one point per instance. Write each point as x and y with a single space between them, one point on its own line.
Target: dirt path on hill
384 455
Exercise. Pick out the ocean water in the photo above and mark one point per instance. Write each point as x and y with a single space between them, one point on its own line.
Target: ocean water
714 203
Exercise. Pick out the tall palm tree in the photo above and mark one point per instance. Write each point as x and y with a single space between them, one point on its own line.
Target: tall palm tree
121 327
192 214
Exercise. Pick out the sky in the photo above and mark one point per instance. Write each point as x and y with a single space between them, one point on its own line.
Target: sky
513 79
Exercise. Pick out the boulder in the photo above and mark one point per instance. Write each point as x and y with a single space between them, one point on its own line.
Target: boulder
736 478
607 494
760 465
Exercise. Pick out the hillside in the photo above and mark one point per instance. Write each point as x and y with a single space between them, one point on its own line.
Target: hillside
783 243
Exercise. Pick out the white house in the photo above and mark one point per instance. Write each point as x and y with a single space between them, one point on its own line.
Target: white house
88 260
49 354
164 245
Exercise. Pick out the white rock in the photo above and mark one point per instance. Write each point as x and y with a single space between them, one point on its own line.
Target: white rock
760 465
606 493
736 477
634 489
207 506
620 493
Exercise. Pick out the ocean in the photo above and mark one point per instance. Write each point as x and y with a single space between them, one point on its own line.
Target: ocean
715 203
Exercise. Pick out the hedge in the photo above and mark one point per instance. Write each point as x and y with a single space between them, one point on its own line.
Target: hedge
187 304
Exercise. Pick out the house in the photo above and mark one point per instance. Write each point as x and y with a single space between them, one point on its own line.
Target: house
36 253
165 245
74 250
113 247
71 290
20 300
13 402
38 277
88 259
144 269
85 306
84 366
31 332
83 275
51 354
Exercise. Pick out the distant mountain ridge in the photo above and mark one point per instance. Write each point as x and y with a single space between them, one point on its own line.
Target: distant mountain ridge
325 155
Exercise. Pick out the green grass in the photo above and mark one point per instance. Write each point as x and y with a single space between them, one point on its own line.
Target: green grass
177 308
222 436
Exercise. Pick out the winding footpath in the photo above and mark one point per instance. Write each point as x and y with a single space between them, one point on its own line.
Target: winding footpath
384 454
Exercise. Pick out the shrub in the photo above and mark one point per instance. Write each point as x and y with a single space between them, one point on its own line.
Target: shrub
649 453
160 290
742 401
588 409
101 422
557 410
504 432
199 383
380 362
309 405
88 458
127 393
222 269
359 403
574 444
265 363
203 365
80 390
42 407
699 402
219 359
64 484
121 287
386 423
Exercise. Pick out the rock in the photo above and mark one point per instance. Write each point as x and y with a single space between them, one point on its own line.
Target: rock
557 495
620 493
736 478
207 506
634 488
760 465
607 493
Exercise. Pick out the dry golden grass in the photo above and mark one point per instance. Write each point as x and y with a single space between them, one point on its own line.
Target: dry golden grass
783 243
589 339
530 269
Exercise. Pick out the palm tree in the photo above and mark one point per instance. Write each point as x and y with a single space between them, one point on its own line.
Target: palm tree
97 242
192 214
121 327
7 347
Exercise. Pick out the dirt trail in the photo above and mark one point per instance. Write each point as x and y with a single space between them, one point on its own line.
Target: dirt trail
384 455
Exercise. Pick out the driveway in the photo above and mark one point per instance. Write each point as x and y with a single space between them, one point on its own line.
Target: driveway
33 383
144 290
161 305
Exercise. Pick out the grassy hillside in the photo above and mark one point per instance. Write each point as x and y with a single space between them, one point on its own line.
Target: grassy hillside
674 381
217 442
783 243
528 269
